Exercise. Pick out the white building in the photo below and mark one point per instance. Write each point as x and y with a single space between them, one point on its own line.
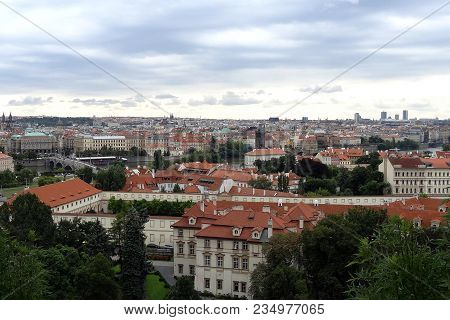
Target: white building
82 143
220 244
414 175
68 196
6 162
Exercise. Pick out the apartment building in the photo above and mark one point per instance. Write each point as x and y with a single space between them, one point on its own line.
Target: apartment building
415 175
83 143
220 243
6 162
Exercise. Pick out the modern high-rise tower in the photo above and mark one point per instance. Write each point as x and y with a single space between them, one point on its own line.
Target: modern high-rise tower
405 114
383 115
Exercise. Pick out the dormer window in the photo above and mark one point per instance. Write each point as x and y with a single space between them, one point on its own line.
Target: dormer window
255 235
236 232
417 222
192 220
435 224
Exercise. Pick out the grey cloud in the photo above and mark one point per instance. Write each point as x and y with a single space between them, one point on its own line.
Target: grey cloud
230 98
165 96
322 40
29 101
128 104
205 101
329 89
131 102
96 102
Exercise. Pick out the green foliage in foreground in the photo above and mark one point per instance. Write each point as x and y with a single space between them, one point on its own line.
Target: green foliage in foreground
401 263
183 289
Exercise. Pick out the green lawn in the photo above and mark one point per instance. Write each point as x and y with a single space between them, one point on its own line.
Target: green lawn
154 288
9 192
116 268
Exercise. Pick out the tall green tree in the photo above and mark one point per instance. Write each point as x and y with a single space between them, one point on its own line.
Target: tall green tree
30 220
330 247
281 275
283 183
158 160
95 280
86 174
133 262
87 236
402 263
61 264
261 183
22 275
111 179
26 176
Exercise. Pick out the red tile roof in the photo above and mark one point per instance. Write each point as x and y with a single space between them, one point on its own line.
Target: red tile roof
261 152
60 193
4 156
252 192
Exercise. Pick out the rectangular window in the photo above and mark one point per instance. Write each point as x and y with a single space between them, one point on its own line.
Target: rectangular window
180 269
180 232
161 224
207 283
244 246
162 239
236 286
245 263
219 244
207 259
192 249
219 284
235 245
235 263
181 248
207 243
220 261
192 270
244 287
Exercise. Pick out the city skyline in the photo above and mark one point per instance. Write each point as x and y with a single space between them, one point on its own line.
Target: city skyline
225 60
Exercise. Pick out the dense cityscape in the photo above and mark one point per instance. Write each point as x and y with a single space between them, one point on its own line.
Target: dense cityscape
168 208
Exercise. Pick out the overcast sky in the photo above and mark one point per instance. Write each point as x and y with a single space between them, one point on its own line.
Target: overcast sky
225 59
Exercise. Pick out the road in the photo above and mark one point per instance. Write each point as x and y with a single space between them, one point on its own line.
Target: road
166 270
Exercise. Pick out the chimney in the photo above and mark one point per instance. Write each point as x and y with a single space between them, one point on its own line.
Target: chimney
269 228
153 173
253 191
239 189
202 206
301 222
264 192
